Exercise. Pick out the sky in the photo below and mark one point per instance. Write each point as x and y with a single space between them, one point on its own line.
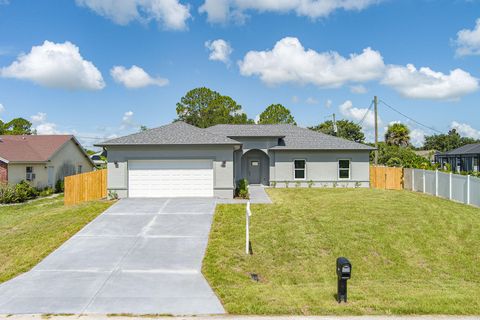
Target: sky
100 68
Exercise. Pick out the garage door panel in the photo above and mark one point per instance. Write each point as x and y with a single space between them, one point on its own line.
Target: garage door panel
170 178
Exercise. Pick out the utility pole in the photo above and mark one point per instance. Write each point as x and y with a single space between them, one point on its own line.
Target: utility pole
375 103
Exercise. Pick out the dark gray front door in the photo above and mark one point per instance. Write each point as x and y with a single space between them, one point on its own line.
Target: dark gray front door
254 171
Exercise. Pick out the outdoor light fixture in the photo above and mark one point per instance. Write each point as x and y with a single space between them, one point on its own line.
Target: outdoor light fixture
116 164
224 163
344 272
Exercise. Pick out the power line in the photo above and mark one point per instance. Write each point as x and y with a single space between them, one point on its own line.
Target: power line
366 113
410 118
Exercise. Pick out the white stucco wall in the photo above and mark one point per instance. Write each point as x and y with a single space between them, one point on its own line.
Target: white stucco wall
118 157
17 173
322 168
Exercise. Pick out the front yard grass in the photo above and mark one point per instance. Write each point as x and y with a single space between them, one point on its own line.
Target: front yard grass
411 254
30 231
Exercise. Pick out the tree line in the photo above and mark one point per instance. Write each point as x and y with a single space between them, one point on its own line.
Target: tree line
203 107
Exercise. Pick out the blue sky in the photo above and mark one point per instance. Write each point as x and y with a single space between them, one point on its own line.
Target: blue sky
286 51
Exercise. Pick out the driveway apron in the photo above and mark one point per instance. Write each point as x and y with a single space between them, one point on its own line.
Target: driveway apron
141 256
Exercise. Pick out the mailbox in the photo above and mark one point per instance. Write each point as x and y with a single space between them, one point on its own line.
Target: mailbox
344 272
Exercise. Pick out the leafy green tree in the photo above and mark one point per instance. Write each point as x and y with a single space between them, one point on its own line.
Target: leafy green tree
143 128
203 107
346 129
18 126
398 134
2 127
446 142
395 156
276 114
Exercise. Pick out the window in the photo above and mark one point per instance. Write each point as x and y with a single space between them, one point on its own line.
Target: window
254 163
29 174
299 168
344 169
79 170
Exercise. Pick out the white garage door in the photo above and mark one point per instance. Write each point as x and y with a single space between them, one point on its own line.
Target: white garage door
170 178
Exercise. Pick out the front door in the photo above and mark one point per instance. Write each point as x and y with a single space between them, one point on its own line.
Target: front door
254 172
51 182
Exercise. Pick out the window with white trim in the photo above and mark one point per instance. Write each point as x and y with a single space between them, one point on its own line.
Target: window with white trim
344 169
300 169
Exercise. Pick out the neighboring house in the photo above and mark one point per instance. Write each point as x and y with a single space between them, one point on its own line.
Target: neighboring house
41 159
465 158
98 158
180 160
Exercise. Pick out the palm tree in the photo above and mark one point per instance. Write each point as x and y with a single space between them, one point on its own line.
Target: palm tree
398 134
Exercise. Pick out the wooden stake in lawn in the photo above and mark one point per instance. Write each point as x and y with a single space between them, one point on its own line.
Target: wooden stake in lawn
248 213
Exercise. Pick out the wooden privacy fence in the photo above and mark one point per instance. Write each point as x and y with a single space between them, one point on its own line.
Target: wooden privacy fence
85 187
386 178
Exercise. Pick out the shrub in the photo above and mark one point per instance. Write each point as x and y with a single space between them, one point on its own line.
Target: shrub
18 193
25 191
242 189
297 184
311 183
273 184
59 186
46 192
7 194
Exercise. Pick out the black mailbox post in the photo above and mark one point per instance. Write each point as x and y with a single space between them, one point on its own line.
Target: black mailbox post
344 272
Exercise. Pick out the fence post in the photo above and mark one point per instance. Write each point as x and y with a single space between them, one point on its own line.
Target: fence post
413 179
468 189
450 186
436 183
424 184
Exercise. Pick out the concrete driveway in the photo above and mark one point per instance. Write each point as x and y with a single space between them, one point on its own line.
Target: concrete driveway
141 256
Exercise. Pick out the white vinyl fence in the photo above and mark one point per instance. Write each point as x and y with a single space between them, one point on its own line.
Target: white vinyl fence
464 189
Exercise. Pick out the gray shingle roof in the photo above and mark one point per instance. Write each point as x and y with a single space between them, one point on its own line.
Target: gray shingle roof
473 148
177 133
294 137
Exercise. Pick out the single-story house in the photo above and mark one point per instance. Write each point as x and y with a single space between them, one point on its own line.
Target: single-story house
180 160
465 158
41 160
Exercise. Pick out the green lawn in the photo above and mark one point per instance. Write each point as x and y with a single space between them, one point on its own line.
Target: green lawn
411 254
29 232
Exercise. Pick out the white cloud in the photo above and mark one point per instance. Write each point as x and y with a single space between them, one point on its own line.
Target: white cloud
295 99
358 89
220 11
135 77
289 62
128 123
42 126
424 83
417 137
169 13
2 108
468 41
357 114
55 65
465 130
220 50
257 118
328 103
311 101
